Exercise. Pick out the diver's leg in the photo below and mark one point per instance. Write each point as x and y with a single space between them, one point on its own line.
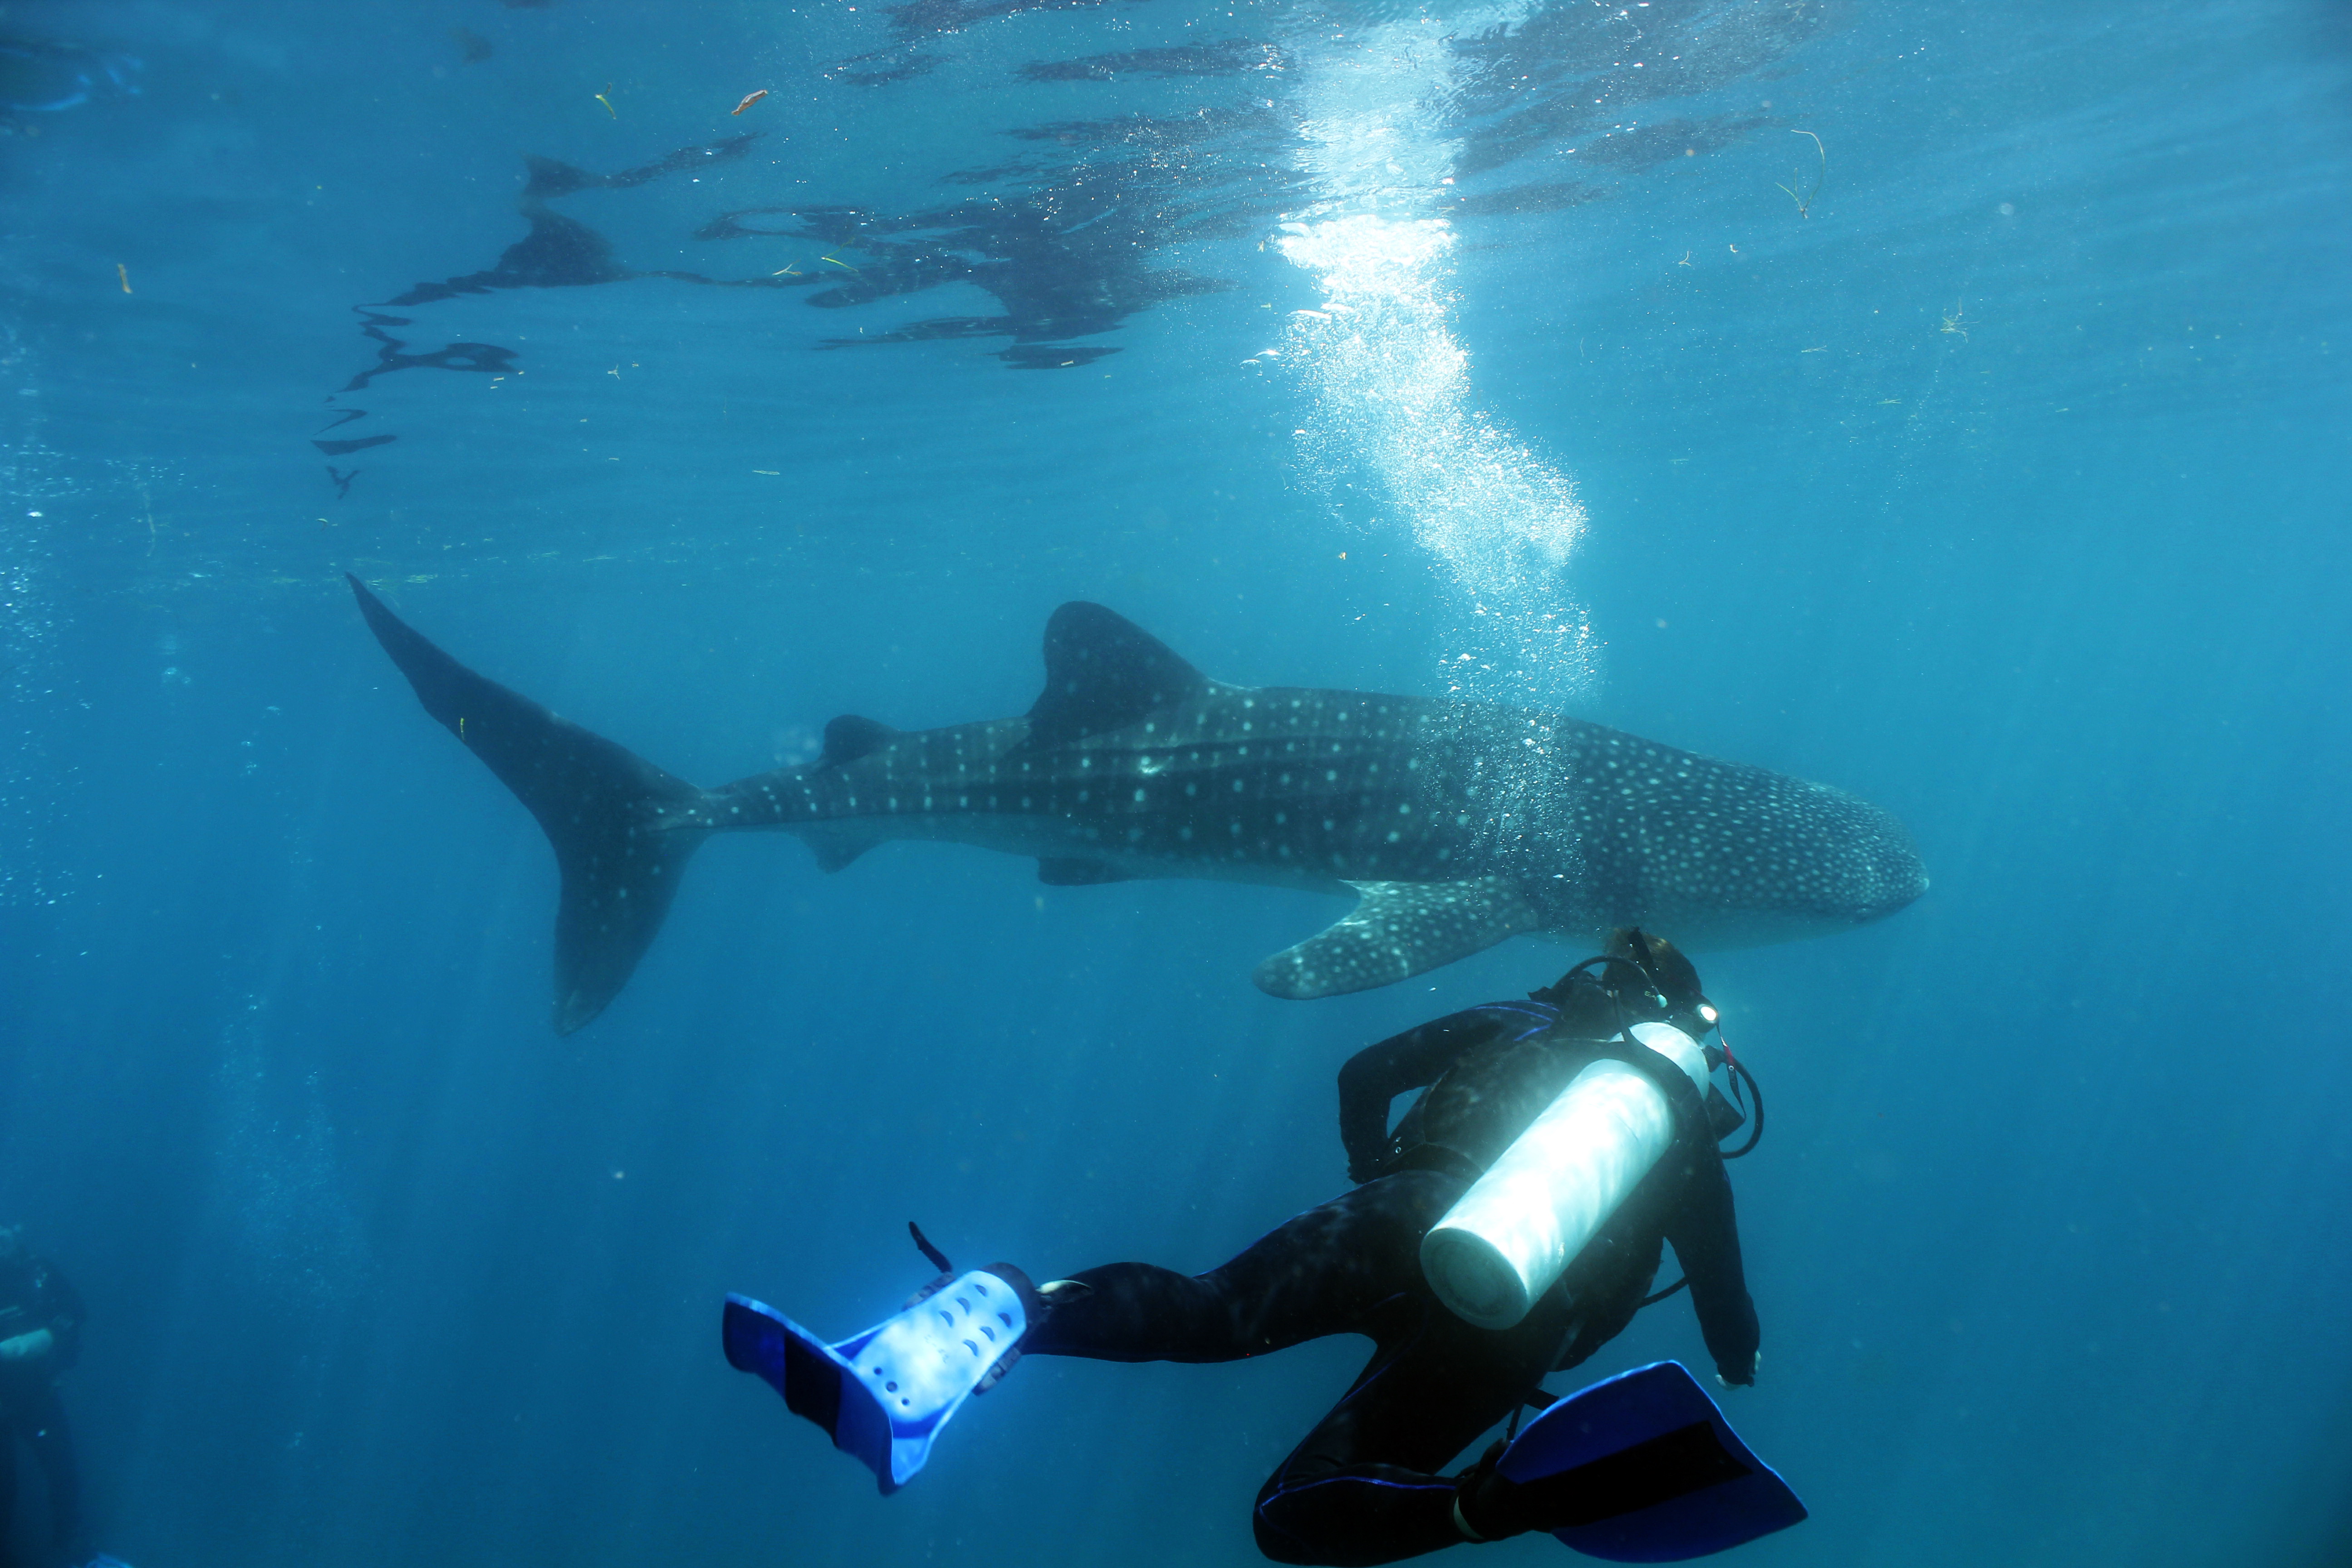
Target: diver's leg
1364 1486
1327 1271
7 1485
52 1441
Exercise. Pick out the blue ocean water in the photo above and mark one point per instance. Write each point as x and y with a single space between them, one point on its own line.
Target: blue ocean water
1943 402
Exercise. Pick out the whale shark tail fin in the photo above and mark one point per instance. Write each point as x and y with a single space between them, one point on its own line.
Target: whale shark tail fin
623 829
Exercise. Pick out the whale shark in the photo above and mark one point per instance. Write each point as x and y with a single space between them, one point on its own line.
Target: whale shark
1455 825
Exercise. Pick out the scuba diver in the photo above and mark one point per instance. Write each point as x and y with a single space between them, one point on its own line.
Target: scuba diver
1508 1228
40 1330
40 76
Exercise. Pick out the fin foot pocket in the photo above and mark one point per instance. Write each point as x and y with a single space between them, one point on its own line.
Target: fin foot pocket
882 1396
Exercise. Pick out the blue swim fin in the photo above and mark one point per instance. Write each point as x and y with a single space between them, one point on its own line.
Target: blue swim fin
1644 1468
884 1394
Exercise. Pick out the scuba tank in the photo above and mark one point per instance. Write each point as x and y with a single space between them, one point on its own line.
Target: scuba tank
1505 1240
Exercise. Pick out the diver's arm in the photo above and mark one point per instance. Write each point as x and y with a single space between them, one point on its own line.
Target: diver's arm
1414 1059
1706 1237
64 1314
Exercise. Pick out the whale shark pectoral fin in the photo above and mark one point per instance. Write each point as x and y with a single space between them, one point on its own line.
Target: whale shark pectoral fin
1104 672
833 848
1398 930
1057 872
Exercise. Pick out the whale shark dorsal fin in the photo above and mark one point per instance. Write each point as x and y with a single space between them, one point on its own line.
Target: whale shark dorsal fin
1104 672
1398 930
849 736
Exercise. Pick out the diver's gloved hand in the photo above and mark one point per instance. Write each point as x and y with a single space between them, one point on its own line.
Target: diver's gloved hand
1373 1163
28 1347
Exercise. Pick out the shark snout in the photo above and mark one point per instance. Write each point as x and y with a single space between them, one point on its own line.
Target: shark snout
1895 876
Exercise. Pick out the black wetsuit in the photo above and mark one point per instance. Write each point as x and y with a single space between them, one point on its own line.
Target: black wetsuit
1365 1485
35 1296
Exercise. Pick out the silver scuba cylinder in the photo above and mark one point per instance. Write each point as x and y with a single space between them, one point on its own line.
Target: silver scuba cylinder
1521 1223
